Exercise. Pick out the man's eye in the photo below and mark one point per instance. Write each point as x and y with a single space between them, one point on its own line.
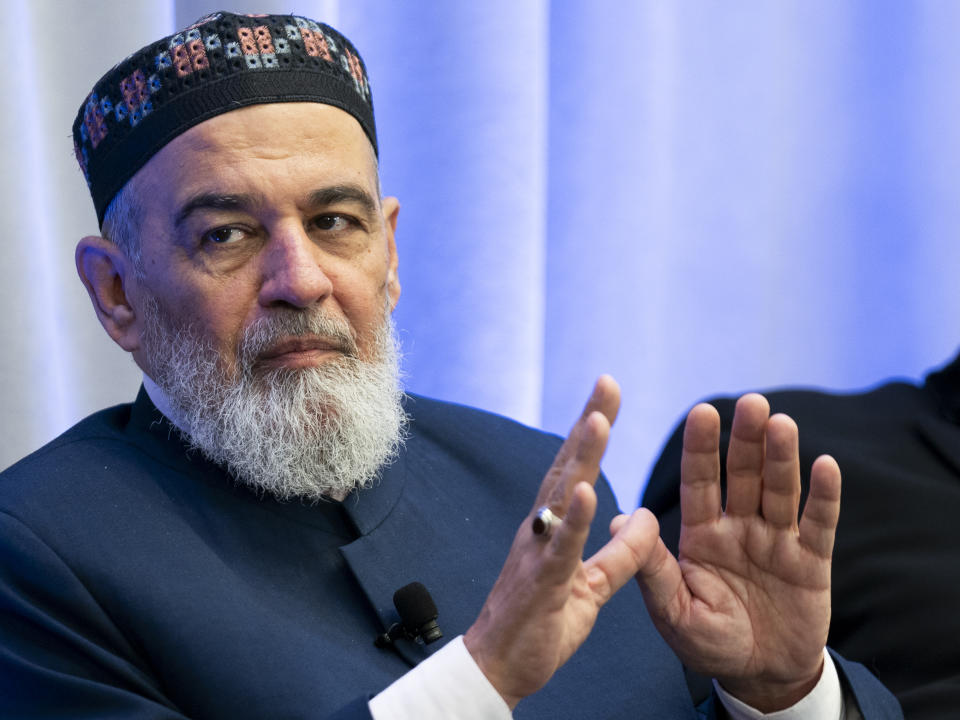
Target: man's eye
332 222
224 235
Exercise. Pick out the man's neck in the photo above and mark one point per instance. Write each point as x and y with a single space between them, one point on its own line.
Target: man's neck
160 399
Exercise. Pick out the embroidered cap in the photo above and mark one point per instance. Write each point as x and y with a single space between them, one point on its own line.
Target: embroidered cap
220 63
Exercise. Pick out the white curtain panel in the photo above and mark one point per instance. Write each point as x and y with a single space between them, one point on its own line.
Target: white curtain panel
696 197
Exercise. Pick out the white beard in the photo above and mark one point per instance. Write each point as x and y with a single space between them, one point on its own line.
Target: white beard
309 433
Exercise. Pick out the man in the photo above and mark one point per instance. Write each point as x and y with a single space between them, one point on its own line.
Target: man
896 589
228 545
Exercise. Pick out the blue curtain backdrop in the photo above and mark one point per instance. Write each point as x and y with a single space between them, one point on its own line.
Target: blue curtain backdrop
695 197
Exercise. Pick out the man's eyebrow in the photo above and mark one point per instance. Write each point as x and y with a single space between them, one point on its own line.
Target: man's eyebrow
213 201
323 197
344 193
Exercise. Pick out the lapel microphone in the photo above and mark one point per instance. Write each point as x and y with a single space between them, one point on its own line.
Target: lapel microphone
418 617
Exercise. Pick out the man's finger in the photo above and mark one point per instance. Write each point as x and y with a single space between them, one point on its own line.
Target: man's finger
579 457
623 556
745 455
818 525
583 465
661 581
781 473
605 399
617 522
700 467
570 537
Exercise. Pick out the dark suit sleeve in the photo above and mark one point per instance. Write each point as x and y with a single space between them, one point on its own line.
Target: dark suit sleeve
60 654
874 700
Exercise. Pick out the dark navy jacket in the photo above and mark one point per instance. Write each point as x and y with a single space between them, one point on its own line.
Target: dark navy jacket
137 579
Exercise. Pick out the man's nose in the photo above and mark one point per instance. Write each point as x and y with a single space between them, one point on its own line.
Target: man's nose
293 271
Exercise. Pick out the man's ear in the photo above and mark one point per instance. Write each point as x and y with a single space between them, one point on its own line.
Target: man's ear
391 209
105 272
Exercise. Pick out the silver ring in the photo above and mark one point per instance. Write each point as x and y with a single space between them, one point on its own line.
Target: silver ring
545 521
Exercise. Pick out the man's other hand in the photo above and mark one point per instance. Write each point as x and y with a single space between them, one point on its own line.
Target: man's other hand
748 599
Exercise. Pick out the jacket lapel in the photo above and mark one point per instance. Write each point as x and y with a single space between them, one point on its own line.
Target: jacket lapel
432 522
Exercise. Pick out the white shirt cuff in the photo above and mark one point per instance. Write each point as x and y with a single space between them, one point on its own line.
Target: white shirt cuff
448 684
824 701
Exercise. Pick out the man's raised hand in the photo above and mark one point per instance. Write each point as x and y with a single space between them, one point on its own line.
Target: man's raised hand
747 601
546 599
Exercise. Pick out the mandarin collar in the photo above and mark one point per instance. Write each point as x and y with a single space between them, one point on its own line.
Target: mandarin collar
366 508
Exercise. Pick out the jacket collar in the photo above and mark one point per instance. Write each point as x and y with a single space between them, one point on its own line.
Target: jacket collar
158 435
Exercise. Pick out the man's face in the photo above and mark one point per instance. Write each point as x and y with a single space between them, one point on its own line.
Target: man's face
262 210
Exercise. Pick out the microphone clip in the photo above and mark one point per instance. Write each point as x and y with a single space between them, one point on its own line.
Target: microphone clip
418 617
395 631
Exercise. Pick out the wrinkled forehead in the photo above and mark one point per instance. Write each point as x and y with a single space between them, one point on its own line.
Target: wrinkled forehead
275 154
222 62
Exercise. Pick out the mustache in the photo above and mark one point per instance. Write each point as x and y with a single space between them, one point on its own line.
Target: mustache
260 338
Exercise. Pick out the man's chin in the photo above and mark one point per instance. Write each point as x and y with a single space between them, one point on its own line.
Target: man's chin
310 422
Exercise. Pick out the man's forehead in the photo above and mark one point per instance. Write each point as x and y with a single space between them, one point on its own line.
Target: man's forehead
247 153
